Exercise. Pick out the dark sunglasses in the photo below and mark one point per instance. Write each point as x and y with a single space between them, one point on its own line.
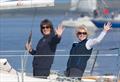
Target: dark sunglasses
47 27
79 33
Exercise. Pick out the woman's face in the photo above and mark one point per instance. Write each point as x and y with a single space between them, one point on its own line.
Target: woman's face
46 30
81 34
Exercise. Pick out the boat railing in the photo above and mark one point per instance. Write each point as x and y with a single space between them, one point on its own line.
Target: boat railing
22 62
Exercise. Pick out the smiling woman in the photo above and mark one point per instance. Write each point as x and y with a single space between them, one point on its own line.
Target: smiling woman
81 51
46 48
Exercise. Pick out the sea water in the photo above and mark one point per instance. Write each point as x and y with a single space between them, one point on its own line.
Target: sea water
14 32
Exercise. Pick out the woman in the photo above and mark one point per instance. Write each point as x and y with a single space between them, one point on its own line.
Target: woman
81 51
45 50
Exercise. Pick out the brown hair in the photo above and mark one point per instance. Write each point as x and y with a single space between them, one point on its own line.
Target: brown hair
48 23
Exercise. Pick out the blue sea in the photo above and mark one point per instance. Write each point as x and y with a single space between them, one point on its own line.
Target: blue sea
14 32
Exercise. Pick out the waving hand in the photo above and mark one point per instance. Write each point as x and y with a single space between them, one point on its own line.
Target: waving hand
107 26
59 30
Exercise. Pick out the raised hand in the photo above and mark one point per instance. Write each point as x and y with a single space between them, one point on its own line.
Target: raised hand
28 47
107 26
59 30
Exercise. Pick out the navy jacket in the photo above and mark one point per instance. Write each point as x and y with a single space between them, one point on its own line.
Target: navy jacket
79 55
46 46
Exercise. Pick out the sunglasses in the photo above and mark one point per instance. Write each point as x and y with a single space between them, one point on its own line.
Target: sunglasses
80 33
47 27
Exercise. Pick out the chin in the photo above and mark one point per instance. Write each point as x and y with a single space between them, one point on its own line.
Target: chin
46 34
82 39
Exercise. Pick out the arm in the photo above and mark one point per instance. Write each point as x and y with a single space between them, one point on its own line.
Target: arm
90 43
28 47
32 52
56 39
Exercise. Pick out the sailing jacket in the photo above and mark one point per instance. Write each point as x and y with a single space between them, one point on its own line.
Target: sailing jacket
45 51
79 55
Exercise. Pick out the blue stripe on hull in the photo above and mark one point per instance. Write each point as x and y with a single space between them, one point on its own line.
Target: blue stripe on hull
100 23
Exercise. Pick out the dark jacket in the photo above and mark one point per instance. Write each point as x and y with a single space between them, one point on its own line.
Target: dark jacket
79 56
45 52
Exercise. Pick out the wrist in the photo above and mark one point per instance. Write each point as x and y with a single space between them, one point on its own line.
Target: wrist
30 50
105 30
57 35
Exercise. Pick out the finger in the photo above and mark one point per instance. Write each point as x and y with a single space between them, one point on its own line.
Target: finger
104 24
62 28
30 43
56 30
26 44
59 28
109 23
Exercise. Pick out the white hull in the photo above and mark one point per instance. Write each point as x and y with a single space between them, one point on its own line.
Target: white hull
8 74
18 78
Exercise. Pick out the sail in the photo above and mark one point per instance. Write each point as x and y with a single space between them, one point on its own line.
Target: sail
25 4
84 5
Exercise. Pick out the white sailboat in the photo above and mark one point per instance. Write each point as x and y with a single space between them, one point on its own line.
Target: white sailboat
48 7
9 74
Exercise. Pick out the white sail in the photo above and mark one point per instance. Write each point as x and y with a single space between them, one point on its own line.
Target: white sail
25 4
87 5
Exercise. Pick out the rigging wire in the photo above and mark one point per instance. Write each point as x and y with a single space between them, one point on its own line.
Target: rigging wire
94 62
29 41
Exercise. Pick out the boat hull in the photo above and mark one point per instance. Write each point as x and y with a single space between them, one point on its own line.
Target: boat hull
100 23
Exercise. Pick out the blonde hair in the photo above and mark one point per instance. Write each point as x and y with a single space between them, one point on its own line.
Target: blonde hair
83 27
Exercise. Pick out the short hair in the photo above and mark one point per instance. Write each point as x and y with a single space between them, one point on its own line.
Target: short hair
81 27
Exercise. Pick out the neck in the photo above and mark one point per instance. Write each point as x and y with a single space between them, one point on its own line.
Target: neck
83 40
